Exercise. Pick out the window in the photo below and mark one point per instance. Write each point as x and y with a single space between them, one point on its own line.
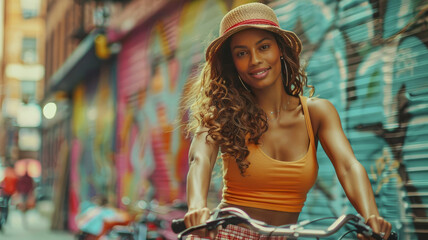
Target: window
28 90
29 50
30 8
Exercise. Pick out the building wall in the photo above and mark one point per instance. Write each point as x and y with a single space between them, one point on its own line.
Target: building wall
2 12
63 20
92 164
16 28
68 23
22 72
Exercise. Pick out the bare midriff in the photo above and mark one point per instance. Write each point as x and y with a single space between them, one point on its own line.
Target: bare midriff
271 217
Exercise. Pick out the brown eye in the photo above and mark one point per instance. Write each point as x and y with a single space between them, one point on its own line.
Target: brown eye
241 54
265 47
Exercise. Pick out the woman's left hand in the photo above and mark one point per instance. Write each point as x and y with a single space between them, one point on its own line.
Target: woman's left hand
379 225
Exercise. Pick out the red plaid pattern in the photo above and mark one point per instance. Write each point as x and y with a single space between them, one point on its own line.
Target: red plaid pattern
233 232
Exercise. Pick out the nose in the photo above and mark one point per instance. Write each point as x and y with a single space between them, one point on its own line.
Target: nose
255 58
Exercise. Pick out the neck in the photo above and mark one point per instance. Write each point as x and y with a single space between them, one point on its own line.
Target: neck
273 100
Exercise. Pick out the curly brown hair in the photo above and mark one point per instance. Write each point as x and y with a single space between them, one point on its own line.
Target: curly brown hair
219 103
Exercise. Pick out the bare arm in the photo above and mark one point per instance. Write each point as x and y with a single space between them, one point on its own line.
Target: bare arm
351 174
202 157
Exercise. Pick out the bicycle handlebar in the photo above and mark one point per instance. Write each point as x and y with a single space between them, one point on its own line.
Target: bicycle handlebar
237 216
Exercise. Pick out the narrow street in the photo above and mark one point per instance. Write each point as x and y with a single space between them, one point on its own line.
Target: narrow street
37 227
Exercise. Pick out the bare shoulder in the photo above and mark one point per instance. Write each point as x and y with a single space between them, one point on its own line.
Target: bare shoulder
321 110
201 134
320 106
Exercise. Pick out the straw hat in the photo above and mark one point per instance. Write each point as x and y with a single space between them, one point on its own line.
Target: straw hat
252 15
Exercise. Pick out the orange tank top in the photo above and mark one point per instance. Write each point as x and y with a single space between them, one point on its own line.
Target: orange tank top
269 183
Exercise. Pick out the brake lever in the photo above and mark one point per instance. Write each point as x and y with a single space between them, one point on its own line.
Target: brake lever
367 231
363 227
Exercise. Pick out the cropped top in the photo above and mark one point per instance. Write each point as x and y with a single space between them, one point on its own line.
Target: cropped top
269 183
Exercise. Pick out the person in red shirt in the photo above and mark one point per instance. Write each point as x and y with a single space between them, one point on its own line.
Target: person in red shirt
9 187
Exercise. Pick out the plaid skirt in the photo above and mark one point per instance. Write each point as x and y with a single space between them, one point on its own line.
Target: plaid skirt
238 233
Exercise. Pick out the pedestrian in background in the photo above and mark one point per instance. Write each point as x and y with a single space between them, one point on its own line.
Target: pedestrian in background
25 187
9 185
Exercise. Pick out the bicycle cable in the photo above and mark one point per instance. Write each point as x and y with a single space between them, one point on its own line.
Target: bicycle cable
346 233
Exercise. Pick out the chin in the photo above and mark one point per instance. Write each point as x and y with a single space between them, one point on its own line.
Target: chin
263 85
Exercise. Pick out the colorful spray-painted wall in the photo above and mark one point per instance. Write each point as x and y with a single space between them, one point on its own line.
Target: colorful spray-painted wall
155 63
369 58
92 164
366 57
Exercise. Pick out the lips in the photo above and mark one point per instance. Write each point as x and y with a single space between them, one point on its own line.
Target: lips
259 73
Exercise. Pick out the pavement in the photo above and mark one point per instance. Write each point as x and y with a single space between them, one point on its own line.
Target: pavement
33 226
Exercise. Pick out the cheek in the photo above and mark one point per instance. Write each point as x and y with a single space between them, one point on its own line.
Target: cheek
240 65
275 60
274 57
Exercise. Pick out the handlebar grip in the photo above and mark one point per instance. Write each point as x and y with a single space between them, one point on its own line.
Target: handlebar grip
177 225
392 236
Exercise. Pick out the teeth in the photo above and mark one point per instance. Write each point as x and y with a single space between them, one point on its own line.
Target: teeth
258 73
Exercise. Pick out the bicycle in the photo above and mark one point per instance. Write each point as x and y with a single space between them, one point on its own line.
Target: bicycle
4 208
153 224
234 216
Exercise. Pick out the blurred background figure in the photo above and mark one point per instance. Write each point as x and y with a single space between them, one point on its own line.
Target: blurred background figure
25 189
9 184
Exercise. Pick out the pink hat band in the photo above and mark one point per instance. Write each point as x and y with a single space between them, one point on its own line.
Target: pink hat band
253 21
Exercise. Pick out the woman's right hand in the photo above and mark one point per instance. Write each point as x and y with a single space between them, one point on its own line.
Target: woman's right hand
196 217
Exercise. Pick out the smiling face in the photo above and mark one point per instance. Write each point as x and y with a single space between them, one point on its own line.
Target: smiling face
256 56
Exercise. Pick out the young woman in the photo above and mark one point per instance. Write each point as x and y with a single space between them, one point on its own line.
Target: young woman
249 105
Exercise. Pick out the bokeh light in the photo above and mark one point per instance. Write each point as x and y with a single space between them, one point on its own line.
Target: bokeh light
49 110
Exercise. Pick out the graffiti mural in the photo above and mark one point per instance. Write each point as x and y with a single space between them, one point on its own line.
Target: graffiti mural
157 60
368 59
92 172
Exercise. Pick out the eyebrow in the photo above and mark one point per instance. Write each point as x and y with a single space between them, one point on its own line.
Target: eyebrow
258 42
